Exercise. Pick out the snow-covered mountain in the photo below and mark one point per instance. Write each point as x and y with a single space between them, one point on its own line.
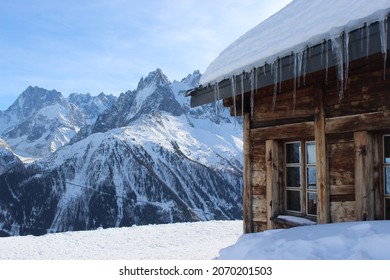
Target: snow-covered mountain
40 121
148 158
91 106
8 160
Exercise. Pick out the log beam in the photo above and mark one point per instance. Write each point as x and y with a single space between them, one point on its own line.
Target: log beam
247 192
323 208
272 195
364 174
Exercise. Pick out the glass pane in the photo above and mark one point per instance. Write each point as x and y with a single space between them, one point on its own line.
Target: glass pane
387 209
293 177
311 178
312 203
311 153
293 199
293 151
387 180
386 145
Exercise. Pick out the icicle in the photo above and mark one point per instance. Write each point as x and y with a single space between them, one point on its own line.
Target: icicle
295 80
337 47
264 70
280 74
299 69
215 98
291 61
242 94
275 73
256 79
346 46
305 52
367 39
326 61
233 82
322 52
383 35
361 41
253 74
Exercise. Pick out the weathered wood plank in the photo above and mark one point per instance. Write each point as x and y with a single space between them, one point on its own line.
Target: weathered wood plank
305 130
342 189
342 211
247 172
272 195
341 162
259 190
323 216
377 180
258 156
258 166
366 92
342 177
259 208
283 108
259 226
364 183
342 197
361 122
259 178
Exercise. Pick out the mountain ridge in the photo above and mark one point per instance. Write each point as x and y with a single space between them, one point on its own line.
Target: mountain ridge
147 160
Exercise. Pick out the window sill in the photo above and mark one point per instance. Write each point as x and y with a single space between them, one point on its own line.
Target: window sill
287 221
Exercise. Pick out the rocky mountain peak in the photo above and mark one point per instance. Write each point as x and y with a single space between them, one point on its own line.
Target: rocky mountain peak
34 99
154 78
192 80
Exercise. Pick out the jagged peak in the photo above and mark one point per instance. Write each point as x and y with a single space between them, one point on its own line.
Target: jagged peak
154 78
38 95
192 80
35 98
84 97
40 91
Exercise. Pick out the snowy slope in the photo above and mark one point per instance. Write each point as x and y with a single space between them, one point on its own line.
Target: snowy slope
206 241
8 159
300 24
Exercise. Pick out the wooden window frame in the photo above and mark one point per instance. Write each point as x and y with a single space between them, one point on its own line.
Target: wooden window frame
303 188
386 197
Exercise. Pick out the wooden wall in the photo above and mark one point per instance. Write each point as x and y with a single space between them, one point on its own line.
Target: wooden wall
351 126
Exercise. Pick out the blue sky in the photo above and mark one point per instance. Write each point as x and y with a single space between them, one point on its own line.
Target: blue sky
108 45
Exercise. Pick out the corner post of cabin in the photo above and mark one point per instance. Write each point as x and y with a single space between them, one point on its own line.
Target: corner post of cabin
272 194
323 204
247 191
364 176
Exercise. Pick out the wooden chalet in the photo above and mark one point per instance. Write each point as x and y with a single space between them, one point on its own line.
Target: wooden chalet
316 130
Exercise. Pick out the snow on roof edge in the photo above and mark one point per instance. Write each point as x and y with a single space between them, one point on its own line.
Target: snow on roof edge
263 45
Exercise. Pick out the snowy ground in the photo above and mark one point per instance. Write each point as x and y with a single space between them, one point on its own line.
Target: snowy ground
186 241
206 241
339 241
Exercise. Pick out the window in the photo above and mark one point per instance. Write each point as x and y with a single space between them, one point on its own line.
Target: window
386 172
300 178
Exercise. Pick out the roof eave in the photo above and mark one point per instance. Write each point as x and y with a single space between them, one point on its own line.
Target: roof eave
314 59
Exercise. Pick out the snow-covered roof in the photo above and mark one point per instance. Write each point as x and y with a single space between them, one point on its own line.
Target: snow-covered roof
300 24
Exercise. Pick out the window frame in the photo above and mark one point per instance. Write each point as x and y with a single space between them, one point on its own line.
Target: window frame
303 188
386 196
